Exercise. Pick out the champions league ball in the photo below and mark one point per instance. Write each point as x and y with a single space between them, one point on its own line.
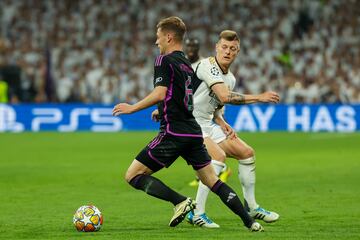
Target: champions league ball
88 219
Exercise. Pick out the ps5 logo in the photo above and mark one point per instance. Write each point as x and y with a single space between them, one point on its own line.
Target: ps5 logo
101 119
8 120
58 119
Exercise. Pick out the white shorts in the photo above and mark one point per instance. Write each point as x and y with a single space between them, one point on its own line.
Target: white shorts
213 131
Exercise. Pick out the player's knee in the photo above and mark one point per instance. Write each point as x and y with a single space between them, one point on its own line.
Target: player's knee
249 152
129 176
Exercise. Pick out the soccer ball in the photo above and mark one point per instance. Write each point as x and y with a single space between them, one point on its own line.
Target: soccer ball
88 219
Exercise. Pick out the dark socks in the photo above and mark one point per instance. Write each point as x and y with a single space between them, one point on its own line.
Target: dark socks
231 200
156 188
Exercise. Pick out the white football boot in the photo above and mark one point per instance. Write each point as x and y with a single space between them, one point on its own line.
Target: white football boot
180 211
262 214
201 220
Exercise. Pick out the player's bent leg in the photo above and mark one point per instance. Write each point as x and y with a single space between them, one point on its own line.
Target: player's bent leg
236 148
219 155
151 185
247 178
138 177
214 150
246 156
136 168
199 217
207 175
227 196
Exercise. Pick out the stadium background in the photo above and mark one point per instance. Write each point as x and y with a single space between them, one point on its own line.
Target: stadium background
103 51
63 64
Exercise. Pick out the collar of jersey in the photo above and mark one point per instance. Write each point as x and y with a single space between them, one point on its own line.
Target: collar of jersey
220 67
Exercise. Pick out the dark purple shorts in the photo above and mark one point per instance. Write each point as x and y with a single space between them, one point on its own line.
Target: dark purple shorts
164 149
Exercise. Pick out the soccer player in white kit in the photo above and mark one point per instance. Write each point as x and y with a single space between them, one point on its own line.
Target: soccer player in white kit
213 91
192 49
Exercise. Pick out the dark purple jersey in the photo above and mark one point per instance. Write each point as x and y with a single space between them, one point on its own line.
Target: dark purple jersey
174 72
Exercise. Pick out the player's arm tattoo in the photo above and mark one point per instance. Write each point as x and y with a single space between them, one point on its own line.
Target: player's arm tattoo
236 98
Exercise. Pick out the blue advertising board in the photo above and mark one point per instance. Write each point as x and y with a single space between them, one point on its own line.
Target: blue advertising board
98 118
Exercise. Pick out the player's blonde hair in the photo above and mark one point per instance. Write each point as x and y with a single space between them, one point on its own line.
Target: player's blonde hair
229 35
175 25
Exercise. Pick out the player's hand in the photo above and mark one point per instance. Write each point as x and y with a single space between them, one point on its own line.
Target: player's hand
122 108
229 131
155 115
269 97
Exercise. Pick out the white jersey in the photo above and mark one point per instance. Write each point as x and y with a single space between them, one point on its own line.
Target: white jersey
205 101
194 65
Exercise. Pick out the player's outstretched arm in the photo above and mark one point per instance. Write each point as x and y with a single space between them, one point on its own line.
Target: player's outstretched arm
157 95
228 97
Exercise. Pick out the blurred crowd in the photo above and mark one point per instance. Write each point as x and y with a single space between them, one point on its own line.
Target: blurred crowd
103 50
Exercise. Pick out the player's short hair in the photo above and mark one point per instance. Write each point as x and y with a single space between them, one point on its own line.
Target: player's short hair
229 35
175 25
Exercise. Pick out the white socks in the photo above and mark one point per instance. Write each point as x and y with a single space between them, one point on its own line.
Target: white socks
203 190
247 179
246 176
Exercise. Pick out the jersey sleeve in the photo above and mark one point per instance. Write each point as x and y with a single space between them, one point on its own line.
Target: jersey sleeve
161 72
209 73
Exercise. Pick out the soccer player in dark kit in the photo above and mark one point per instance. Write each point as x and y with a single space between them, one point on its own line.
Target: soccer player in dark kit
180 134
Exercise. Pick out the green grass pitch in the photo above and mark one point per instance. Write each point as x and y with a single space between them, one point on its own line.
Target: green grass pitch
311 180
